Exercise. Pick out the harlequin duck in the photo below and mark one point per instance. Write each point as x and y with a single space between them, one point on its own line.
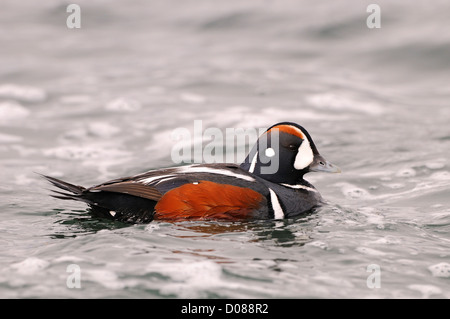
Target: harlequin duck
269 184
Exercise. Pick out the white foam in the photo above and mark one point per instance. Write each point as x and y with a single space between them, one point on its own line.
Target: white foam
30 266
152 227
106 278
440 270
191 280
373 216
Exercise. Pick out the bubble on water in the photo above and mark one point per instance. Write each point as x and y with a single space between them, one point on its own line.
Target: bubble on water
394 185
406 172
123 105
440 270
11 111
319 244
441 176
22 93
353 192
30 266
152 227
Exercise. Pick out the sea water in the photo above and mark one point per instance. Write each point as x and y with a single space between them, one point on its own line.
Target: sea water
101 101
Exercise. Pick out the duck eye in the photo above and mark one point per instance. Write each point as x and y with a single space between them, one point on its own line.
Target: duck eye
292 147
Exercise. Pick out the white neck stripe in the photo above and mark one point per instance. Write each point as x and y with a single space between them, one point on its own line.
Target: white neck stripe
253 164
277 210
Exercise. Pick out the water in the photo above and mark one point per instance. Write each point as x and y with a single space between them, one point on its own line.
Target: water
100 102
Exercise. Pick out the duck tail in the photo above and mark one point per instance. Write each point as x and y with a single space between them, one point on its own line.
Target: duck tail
75 192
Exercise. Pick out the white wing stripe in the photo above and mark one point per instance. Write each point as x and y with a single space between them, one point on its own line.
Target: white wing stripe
191 169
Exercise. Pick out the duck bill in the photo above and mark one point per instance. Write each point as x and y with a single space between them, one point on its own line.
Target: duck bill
319 164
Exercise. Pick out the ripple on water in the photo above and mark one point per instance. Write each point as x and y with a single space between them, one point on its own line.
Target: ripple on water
123 104
426 290
22 93
11 111
333 101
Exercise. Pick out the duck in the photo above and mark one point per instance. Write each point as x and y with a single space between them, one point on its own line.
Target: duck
268 184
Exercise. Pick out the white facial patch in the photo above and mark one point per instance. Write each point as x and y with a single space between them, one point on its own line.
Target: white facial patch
270 152
305 155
